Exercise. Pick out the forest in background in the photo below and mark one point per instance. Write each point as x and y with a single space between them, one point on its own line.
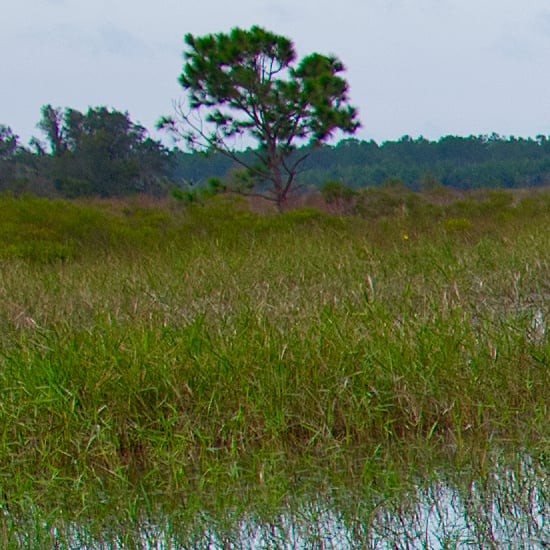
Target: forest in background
103 153
462 163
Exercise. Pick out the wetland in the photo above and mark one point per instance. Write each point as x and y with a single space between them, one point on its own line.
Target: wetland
206 376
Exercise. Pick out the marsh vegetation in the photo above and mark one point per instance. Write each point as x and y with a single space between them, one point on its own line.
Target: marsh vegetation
209 367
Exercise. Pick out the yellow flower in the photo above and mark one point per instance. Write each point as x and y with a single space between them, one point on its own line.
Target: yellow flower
405 236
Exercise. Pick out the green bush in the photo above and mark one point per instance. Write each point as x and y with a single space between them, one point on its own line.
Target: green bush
457 225
335 192
378 202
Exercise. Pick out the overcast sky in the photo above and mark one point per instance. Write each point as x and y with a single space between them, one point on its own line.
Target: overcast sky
416 67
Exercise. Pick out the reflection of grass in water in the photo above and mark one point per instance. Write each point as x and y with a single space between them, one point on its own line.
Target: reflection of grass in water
508 508
184 354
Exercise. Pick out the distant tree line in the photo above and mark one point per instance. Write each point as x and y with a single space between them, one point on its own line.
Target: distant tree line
97 153
460 163
103 153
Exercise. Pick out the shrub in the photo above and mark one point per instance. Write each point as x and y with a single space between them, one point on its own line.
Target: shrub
457 225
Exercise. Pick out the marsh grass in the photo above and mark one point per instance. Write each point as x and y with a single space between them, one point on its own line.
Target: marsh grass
170 356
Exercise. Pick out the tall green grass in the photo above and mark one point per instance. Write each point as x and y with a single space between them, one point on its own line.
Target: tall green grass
180 353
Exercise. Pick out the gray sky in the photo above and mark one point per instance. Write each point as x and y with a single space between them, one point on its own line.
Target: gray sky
417 67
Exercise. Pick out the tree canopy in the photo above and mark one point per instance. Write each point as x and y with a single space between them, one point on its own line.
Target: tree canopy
8 142
100 152
248 87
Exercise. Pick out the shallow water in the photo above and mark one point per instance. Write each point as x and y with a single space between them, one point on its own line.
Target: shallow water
508 508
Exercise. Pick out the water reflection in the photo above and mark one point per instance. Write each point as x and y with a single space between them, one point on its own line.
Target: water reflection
509 508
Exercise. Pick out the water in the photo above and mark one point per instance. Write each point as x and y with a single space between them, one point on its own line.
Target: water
508 508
